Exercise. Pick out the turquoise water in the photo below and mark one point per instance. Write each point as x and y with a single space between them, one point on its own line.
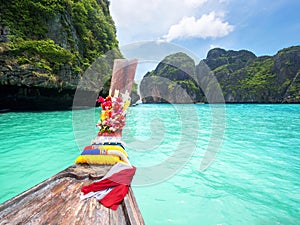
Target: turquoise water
255 178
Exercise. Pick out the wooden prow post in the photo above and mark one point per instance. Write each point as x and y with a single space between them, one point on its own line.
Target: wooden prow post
122 76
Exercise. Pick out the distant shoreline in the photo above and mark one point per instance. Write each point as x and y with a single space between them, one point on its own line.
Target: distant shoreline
7 110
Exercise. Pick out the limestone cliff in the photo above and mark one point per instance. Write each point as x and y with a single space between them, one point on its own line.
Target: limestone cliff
241 76
45 48
172 81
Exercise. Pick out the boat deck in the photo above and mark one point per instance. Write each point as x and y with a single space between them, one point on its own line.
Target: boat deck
57 201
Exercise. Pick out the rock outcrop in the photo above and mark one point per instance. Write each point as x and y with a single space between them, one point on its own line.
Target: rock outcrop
172 81
239 76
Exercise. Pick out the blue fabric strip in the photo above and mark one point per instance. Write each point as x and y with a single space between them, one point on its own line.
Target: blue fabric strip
91 152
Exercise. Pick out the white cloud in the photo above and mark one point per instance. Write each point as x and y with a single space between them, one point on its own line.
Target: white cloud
194 3
208 25
138 20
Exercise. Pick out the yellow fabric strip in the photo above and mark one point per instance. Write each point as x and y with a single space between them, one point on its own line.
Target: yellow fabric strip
98 159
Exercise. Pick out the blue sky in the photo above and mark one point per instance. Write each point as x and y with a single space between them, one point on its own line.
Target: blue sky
261 26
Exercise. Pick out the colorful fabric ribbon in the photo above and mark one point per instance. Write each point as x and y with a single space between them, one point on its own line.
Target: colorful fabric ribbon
116 183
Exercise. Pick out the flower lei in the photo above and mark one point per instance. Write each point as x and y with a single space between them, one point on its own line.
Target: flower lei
113 112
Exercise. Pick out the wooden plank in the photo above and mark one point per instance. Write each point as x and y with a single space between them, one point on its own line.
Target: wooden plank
65 213
101 214
57 201
30 201
131 209
117 217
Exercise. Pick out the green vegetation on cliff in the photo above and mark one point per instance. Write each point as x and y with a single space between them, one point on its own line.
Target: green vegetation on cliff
56 35
89 19
242 76
44 54
266 79
49 45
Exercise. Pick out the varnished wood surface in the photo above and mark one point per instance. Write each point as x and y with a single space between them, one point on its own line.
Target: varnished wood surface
57 201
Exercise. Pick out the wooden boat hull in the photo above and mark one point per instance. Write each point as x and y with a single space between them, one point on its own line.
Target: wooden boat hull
57 201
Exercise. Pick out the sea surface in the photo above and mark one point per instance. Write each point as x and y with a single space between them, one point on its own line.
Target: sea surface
252 152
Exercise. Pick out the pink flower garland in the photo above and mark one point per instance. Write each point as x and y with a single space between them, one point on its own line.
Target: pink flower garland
112 114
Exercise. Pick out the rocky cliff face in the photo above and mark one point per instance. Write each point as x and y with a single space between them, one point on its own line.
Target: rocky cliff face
267 79
46 48
287 69
241 77
172 81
